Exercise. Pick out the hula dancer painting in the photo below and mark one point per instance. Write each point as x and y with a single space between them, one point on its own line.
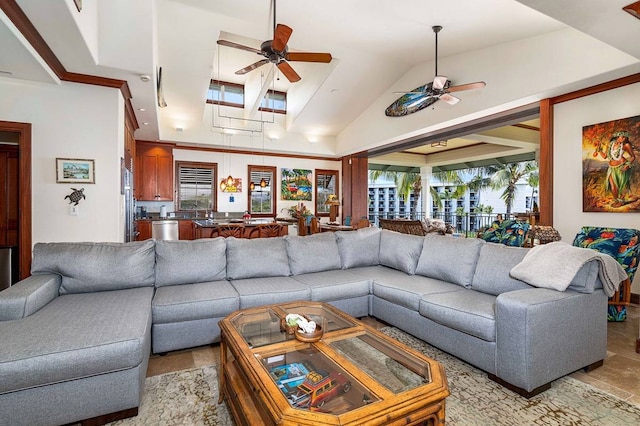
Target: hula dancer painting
611 176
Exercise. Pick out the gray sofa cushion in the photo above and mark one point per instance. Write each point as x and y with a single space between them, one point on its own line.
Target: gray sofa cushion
468 311
89 267
359 248
313 253
28 296
449 259
335 285
265 291
258 257
400 251
492 272
407 290
76 336
188 302
586 279
186 262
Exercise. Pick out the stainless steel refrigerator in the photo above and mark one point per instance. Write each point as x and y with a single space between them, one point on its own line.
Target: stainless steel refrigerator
129 206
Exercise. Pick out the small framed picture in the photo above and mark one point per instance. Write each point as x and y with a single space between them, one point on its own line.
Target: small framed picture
73 170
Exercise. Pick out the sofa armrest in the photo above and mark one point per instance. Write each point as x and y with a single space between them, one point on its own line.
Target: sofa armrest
542 334
28 296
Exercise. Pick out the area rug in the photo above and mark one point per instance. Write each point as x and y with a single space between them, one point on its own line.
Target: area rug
190 397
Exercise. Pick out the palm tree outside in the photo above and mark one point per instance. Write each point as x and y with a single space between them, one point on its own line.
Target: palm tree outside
503 177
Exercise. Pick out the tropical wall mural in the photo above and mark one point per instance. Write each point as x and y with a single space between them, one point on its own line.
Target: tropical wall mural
296 184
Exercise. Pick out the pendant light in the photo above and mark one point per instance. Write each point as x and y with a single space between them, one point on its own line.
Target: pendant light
252 186
228 182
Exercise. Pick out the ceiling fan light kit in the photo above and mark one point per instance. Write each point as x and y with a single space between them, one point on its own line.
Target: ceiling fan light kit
439 89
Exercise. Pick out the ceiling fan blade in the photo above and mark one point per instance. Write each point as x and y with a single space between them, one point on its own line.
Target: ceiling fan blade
468 86
450 99
281 37
439 82
252 66
288 71
309 57
238 46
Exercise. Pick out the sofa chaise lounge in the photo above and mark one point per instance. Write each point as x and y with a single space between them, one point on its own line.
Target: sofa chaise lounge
77 334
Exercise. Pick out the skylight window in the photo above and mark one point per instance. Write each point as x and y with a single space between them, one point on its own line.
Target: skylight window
274 102
227 94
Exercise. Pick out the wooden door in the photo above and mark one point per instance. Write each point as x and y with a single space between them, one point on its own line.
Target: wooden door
9 195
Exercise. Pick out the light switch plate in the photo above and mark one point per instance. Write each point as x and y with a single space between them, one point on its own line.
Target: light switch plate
74 211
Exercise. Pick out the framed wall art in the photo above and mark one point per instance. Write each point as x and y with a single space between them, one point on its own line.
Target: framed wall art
296 185
73 170
610 166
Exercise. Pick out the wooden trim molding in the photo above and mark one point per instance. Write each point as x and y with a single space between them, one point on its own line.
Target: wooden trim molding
248 152
29 31
609 85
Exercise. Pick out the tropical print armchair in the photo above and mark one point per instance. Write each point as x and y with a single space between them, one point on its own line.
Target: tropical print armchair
507 232
622 245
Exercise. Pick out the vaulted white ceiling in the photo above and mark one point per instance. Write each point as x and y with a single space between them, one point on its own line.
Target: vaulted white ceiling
525 50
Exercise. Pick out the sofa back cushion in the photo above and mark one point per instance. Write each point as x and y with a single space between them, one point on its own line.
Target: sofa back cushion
313 253
359 248
449 258
89 267
400 251
190 262
257 257
494 264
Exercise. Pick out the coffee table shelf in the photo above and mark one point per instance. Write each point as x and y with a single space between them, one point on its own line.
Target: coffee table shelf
354 375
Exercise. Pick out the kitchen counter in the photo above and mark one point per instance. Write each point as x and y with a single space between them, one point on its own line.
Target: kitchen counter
206 228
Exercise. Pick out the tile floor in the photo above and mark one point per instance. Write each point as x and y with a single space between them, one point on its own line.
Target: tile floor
620 374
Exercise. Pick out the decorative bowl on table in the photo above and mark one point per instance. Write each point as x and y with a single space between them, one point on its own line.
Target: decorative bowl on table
309 337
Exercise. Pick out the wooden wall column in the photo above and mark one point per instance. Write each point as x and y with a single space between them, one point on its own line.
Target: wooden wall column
355 187
545 163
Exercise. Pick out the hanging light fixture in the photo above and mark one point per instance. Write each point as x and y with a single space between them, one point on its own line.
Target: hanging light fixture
252 186
229 181
263 183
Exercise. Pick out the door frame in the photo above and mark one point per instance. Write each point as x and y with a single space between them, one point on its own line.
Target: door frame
24 193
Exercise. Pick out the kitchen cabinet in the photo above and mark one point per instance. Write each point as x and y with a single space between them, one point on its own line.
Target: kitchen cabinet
153 172
144 230
185 229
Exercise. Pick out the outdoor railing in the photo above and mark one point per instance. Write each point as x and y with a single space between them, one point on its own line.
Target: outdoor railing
467 224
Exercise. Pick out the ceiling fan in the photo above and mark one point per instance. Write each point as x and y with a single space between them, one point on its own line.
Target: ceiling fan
276 51
441 87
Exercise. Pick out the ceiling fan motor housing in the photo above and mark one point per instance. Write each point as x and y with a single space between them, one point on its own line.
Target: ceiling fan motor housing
271 54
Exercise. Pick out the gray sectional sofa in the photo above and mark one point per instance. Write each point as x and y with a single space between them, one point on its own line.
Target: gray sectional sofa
75 337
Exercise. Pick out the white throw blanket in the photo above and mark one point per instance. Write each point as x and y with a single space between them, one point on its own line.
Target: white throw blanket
554 265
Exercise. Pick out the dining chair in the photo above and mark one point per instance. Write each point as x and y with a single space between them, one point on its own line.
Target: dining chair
230 230
266 230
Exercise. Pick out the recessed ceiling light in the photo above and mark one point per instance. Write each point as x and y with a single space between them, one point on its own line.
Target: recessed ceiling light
145 123
142 109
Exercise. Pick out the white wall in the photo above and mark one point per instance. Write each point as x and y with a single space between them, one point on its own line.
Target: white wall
71 120
237 166
569 118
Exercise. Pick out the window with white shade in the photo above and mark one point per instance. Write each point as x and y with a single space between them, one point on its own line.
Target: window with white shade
196 186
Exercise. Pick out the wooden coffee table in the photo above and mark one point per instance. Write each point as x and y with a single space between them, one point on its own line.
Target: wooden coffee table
354 375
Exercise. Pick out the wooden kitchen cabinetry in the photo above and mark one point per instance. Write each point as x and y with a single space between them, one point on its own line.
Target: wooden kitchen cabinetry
143 227
185 229
153 172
